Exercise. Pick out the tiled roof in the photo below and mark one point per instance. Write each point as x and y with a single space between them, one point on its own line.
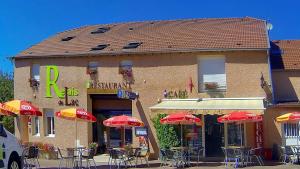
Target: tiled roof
157 36
285 54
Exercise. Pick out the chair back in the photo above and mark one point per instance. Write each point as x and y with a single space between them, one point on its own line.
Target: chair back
59 152
289 150
33 152
91 153
70 152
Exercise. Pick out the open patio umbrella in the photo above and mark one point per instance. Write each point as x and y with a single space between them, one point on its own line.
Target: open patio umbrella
293 117
3 112
21 107
181 118
122 122
76 114
240 117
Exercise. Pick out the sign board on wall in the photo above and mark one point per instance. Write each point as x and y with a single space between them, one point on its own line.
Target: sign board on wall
123 94
52 76
141 131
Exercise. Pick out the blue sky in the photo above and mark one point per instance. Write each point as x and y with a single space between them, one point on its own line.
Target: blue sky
26 22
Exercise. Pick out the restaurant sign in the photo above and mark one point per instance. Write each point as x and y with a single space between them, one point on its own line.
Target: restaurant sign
141 131
123 94
52 75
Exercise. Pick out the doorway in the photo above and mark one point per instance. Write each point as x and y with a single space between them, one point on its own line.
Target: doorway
214 136
104 107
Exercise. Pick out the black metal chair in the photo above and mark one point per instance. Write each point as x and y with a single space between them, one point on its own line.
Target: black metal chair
196 152
30 157
255 153
142 154
288 155
68 158
90 157
231 155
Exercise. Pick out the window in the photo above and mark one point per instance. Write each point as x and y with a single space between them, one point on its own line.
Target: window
291 130
132 45
92 67
68 38
35 126
49 122
35 72
101 30
235 133
211 71
100 47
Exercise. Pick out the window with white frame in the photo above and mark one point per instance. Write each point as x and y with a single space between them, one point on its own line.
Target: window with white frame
291 130
211 72
35 121
35 72
49 122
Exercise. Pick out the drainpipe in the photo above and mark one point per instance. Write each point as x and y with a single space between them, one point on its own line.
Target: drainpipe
269 63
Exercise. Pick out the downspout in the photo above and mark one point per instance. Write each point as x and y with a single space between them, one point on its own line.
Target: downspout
269 64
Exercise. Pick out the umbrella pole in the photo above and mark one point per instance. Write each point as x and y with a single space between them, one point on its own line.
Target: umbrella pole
181 136
75 133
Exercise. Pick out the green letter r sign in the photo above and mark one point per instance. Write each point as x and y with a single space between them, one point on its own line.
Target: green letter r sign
52 82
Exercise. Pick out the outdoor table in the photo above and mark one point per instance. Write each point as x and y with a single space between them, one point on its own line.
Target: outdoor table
242 151
80 151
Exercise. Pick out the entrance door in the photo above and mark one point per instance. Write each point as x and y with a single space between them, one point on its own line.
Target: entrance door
214 136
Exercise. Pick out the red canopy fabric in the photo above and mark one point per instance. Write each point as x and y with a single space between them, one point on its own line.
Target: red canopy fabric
180 118
240 116
21 107
123 121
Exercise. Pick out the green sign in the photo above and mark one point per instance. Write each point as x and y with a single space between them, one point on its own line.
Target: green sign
52 75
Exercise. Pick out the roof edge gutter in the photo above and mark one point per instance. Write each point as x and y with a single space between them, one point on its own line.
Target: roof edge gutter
136 52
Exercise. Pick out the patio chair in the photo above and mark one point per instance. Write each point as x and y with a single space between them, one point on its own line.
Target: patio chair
231 155
90 157
165 157
142 154
117 158
30 157
68 158
255 153
196 152
288 155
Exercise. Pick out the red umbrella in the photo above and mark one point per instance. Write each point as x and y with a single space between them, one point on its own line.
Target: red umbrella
123 121
4 112
76 114
21 107
240 116
181 118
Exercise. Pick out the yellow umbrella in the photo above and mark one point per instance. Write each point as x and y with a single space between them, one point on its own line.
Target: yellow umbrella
76 114
289 117
293 117
21 107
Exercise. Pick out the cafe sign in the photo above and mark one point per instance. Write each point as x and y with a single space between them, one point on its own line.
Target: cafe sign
52 77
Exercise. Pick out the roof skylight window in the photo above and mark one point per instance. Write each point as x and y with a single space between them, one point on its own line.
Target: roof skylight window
132 45
100 47
68 38
101 30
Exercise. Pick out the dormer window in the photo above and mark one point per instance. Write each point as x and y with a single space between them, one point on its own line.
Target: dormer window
101 30
132 45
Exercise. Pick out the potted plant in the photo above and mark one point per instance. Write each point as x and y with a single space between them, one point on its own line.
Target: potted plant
93 145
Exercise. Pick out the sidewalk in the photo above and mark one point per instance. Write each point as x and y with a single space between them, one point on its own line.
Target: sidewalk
155 164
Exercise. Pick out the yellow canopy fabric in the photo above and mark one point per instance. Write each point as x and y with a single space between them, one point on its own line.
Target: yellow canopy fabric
210 105
288 117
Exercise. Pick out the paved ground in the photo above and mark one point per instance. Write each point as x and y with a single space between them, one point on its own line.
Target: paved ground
156 165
